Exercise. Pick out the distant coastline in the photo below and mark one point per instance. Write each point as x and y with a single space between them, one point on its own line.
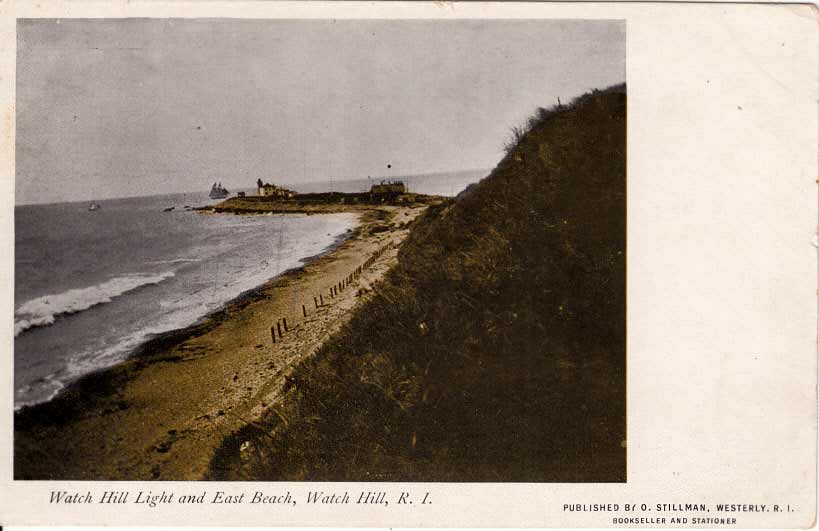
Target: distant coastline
441 183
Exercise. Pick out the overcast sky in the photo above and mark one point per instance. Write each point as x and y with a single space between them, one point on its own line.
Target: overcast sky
112 108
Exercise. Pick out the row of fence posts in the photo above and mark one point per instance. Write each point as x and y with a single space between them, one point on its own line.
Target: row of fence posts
281 328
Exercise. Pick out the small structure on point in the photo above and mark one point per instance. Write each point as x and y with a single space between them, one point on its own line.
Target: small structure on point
271 190
388 188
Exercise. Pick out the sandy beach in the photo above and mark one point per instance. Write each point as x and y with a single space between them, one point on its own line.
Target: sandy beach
162 413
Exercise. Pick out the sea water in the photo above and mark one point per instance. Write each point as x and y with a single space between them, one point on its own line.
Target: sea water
90 286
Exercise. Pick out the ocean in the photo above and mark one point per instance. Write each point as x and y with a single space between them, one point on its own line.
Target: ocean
91 286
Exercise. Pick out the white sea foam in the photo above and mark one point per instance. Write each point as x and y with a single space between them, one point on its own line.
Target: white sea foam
43 310
49 383
177 261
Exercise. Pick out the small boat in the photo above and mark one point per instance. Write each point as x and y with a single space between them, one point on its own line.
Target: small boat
217 191
169 209
94 206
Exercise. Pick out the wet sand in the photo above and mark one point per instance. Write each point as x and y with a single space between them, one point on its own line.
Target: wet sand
169 407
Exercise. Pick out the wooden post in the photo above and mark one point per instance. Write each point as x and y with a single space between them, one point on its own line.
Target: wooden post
284 320
304 310
273 334
315 300
322 299
279 326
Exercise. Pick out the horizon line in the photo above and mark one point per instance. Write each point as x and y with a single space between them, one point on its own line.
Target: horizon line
329 180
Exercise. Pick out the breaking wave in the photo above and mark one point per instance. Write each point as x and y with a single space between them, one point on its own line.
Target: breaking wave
43 310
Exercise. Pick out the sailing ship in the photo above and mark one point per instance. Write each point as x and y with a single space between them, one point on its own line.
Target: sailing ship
217 191
93 206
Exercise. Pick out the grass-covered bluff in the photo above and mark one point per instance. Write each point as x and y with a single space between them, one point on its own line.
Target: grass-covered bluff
495 348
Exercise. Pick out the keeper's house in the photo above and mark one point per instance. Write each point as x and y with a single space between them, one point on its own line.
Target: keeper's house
389 188
271 190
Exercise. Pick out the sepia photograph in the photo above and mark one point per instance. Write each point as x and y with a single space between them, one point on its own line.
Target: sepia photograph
320 250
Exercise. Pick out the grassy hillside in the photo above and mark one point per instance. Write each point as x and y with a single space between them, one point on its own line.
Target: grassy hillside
495 349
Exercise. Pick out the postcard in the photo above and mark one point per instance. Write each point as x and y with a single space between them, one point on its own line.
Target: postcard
409 264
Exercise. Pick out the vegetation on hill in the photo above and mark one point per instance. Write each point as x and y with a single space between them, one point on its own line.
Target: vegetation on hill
495 349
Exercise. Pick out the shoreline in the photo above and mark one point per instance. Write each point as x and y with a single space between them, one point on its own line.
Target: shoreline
204 323
107 406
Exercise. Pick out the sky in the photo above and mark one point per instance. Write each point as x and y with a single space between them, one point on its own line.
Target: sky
126 107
